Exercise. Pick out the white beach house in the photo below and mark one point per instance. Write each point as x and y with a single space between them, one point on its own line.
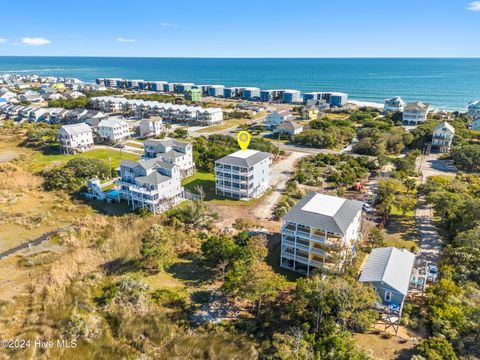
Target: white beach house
151 184
151 127
112 130
243 174
394 104
320 232
75 138
415 113
278 117
442 137
172 151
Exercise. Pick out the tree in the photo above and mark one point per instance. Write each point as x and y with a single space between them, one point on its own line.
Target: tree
157 249
467 157
250 277
436 348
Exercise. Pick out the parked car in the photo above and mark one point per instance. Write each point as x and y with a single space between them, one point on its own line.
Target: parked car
367 208
119 146
432 273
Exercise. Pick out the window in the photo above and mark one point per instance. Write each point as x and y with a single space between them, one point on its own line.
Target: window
388 295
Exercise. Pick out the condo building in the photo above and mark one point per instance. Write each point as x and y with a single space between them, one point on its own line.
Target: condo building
320 232
243 174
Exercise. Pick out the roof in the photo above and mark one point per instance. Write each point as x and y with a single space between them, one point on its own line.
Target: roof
442 125
391 266
289 125
75 129
147 164
328 212
112 122
245 158
153 178
417 106
165 142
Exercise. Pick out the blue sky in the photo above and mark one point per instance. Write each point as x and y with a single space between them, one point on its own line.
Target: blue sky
262 28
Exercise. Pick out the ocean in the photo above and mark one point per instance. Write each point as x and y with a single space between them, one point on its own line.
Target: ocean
444 83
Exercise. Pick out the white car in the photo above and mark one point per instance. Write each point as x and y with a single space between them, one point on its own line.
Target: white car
432 273
367 208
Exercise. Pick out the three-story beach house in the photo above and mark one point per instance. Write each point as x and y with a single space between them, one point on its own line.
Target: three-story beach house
320 232
442 137
112 130
243 174
172 151
75 138
415 113
394 104
151 184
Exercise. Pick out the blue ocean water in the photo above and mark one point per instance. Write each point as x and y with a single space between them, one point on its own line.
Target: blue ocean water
444 83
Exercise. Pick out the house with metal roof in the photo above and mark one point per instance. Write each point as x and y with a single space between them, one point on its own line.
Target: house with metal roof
75 138
151 184
320 232
388 270
243 174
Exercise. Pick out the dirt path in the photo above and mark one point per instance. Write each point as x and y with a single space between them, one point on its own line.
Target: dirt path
282 171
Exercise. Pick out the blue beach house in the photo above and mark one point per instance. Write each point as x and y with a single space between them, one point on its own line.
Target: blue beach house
388 270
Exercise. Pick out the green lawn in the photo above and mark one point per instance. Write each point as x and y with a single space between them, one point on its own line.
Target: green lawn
206 180
223 126
41 160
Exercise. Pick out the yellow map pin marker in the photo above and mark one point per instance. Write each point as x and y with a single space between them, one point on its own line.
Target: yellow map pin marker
243 138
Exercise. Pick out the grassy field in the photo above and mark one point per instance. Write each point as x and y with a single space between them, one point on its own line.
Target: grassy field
206 181
41 160
401 232
223 126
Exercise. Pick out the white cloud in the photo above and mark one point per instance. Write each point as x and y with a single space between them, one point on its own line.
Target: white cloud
3 41
120 39
167 24
28 41
474 6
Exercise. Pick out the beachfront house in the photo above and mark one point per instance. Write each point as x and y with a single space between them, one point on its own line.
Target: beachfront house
394 104
473 109
388 271
215 90
151 127
442 137
251 93
320 232
75 138
112 130
288 127
156 86
334 99
209 116
415 113
172 151
291 96
232 92
243 174
151 184
278 117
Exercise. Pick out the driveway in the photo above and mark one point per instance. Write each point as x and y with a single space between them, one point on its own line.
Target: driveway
281 172
430 242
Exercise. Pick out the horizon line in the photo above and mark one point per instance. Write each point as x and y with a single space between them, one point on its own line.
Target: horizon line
244 57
